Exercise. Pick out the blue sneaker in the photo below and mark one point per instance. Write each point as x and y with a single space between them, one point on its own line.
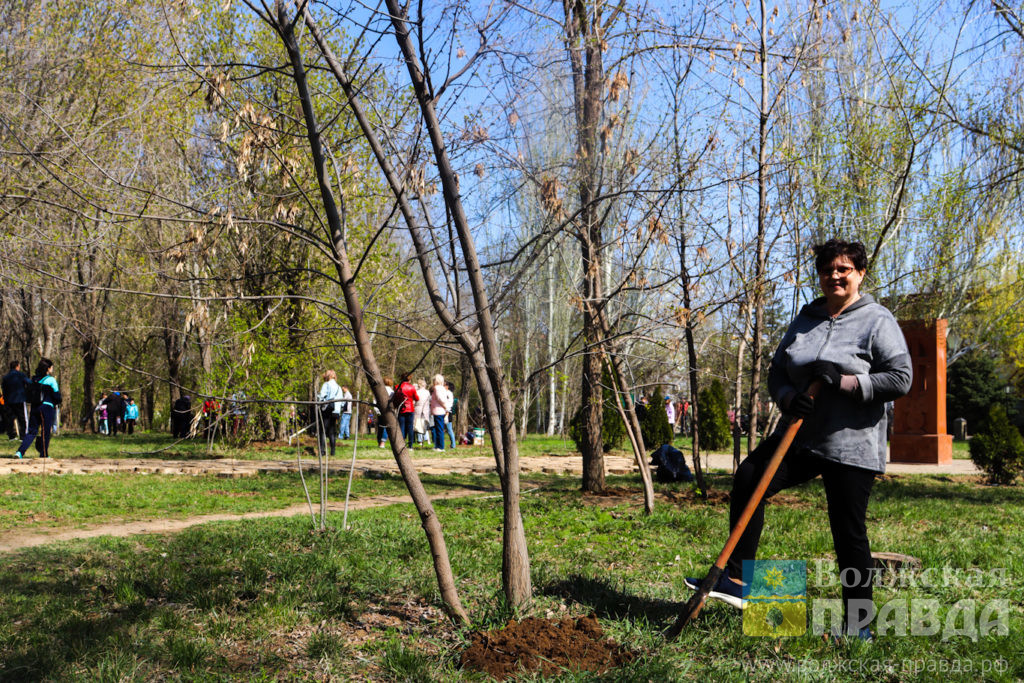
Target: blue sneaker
726 590
863 634
18 455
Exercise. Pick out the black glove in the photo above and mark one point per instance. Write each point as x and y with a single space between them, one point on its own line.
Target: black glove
800 406
826 371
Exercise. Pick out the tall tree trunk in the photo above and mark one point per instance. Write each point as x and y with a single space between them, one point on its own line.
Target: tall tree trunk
90 355
761 266
583 43
465 377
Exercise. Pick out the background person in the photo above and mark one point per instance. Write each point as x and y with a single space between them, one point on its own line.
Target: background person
131 415
115 412
330 410
382 431
43 412
407 411
15 412
422 424
854 346
449 419
101 414
440 405
181 417
345 425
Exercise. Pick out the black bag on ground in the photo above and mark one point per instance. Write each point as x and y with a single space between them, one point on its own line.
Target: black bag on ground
671 465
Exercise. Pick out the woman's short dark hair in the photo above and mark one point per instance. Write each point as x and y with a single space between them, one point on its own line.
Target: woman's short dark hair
44 365
826 253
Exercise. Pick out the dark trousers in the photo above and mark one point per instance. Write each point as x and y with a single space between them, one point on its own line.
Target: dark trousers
406 422
438 432
847 490
40 422
14 420
129 425
328 430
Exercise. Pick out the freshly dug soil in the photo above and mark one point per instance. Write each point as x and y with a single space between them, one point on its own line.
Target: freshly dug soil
545 645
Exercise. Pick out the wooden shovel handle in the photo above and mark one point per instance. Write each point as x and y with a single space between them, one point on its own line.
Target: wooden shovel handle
766 479
696 602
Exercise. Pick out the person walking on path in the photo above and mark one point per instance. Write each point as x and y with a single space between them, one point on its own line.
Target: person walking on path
853 346
440 405
345 425
407 411
329 399
43 396
15 411
131 414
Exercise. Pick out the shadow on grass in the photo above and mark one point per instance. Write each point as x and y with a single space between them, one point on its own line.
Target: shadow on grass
943 488
609 602
60 619
62 631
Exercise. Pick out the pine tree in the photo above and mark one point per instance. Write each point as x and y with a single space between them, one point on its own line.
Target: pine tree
713 417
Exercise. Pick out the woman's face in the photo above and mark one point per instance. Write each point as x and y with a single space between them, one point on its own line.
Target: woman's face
840 280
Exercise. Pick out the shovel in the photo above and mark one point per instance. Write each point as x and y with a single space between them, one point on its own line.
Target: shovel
696 602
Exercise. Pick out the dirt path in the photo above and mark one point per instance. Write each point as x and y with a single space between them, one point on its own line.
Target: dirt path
16 540
228 468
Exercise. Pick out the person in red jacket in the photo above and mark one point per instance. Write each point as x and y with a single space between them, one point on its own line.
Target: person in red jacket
407 412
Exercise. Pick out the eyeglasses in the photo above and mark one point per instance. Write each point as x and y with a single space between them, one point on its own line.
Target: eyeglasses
841 271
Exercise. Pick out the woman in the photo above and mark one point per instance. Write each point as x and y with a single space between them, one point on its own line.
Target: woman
407 411
101 413
131 415
329 399
44 398
423 423
440 404
854 346
382 431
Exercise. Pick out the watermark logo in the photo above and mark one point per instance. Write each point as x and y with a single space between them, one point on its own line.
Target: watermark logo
776 594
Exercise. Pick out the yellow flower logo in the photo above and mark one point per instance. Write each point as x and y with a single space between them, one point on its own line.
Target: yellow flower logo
773 577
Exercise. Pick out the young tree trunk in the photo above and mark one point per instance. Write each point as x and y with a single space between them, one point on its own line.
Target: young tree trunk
428 518
627 411
480 345
465 377
552 372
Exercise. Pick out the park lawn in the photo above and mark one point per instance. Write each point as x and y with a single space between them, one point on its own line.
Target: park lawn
33 502
267 599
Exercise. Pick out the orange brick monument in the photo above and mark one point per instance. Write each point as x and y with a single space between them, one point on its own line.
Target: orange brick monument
919 421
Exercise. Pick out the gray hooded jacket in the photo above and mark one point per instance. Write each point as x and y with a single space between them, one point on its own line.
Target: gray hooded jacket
864 340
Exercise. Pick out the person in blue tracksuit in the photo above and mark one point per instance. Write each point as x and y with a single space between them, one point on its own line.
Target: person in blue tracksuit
131 414
42 412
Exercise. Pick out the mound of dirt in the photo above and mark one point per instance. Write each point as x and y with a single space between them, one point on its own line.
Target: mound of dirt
548 646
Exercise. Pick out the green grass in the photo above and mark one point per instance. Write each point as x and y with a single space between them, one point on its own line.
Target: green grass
33 502
268 599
